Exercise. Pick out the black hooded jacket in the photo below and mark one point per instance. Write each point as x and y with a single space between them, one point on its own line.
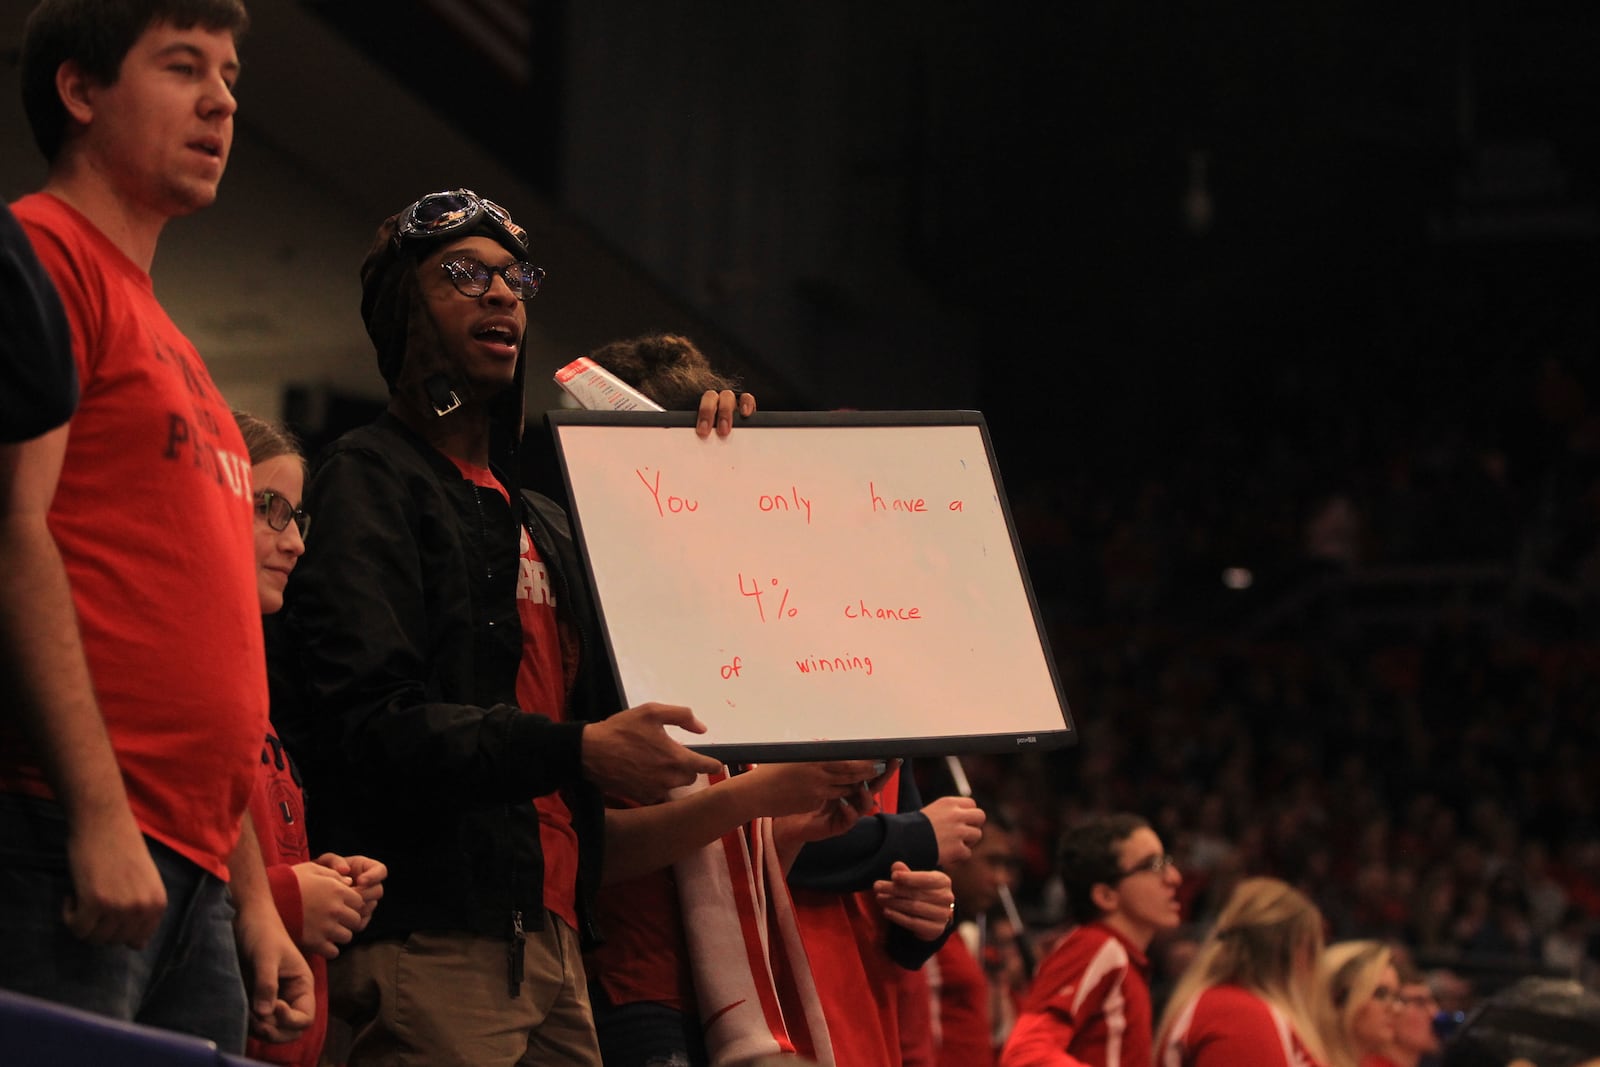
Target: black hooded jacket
396 687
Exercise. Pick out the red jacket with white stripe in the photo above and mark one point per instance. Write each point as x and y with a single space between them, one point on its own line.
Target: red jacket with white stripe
1089 1005
1227 1026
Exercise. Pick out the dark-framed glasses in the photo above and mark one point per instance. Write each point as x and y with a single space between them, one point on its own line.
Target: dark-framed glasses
1156 865
472 277
277 512
454 209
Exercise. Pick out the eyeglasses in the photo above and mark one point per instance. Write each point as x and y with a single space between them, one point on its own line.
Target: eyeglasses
1157 865
1388 998
275 510
472 277
440 213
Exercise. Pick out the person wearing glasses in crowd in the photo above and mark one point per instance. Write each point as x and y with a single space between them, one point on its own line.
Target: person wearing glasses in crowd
1362 987
455 713
1415 1040
1089 1002
1250 997
125 776
323 903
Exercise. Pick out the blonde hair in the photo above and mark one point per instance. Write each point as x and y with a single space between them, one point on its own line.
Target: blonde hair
1349 972
1267 940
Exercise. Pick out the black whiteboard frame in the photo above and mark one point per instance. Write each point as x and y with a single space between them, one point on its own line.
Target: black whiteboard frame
850 748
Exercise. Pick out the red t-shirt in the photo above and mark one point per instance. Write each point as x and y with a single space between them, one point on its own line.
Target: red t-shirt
645 955
154 521
544 680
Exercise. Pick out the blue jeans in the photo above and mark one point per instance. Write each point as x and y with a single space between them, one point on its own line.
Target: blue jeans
186 979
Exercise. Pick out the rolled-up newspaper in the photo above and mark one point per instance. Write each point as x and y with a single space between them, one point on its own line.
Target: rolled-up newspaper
597 389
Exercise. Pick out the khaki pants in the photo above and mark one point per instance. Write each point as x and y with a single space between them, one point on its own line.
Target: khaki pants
441 1000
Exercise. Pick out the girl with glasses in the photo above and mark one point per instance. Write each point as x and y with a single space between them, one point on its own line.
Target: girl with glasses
322 902
1414 1034
1363 997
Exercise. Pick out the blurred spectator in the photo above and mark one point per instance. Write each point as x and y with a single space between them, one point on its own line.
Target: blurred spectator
1362 987
966 994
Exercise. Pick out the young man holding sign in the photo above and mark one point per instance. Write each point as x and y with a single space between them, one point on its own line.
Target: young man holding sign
456 714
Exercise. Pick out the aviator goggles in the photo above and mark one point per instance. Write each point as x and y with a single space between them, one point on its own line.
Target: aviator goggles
275 510
438 214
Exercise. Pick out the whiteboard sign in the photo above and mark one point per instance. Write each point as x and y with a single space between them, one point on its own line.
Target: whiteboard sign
843 584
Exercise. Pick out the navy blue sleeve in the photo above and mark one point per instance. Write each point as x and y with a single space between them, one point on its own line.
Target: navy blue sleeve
38 378
855 859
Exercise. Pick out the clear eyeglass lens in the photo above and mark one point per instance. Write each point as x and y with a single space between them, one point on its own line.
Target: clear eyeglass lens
472 277
278 513
274 509
524 279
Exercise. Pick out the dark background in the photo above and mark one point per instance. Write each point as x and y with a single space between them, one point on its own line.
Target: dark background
1204 267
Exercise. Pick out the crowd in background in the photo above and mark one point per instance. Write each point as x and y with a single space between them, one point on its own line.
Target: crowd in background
1348 637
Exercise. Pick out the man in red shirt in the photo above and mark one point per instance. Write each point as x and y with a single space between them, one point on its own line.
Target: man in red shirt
1090 1000
135 888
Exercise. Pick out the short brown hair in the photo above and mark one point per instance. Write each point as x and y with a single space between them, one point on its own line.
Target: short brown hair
97 34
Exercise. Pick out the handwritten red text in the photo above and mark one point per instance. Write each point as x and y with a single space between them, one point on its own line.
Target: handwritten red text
790 501
860 610
669 504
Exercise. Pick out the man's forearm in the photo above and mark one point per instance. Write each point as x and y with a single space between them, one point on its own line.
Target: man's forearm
247 871
54 703
646 839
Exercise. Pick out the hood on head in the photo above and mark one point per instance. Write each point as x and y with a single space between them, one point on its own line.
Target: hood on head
411 355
